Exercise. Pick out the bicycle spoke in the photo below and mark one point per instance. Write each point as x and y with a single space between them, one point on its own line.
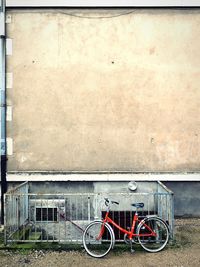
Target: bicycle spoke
158 234
97 239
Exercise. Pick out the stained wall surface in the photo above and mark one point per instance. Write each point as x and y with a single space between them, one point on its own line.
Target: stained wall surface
104 90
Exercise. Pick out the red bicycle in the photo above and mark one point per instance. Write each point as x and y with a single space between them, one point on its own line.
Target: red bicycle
152 233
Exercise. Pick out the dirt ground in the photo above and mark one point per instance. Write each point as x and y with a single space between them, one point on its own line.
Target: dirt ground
184 252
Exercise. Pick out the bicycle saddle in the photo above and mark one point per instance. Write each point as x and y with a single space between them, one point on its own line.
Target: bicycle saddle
138 205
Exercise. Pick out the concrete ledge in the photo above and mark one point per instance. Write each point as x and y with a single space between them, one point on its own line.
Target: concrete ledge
36 177
101 3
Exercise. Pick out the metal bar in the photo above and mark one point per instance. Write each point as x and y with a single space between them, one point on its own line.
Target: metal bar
18 188
5 218
59 221
57 216
44 241
165 187
28 214
3 109
65 217
172 215
47 231
41 218
88 207
86 194
166 207
35 215
76 213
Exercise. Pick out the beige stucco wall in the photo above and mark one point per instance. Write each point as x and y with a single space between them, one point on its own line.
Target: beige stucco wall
108 94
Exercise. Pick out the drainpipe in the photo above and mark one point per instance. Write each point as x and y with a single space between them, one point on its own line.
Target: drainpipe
3 108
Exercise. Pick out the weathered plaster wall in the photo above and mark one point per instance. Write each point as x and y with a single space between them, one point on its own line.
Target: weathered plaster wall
108 94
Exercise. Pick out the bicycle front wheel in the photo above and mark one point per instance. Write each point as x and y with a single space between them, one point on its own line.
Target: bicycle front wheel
149 242
98 239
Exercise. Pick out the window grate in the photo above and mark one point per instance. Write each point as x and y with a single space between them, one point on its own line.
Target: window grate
46 214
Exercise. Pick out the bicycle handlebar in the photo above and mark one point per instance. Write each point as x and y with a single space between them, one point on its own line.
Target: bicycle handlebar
107 201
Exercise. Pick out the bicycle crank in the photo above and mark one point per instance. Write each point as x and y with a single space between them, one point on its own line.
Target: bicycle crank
129 241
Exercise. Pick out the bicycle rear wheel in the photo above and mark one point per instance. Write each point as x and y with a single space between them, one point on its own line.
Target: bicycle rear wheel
153 243
98 239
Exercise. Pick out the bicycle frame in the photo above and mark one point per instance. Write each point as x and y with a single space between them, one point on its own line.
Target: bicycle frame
132 232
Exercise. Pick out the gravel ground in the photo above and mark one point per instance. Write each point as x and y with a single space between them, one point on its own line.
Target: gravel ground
184 253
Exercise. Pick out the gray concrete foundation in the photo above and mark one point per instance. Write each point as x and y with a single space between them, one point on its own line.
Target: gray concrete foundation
186 194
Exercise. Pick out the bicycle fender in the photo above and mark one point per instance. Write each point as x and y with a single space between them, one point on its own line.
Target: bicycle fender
112 232
155 216
113 244
147 217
